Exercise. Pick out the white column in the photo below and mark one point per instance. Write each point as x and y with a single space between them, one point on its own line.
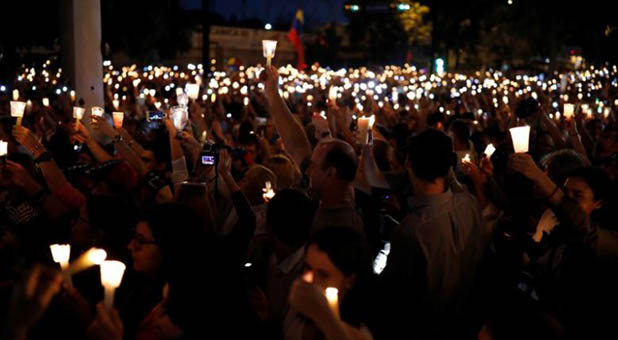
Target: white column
82 50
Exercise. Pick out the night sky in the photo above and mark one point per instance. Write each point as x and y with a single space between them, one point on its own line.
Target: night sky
316 11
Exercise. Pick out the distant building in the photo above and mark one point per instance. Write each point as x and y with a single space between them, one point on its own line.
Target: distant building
242 44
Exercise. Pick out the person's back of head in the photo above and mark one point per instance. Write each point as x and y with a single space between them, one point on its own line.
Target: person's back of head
196 196
341 156
430 154
288 175
460 131
560 163
290 216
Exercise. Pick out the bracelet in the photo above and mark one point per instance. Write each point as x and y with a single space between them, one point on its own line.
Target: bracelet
554 192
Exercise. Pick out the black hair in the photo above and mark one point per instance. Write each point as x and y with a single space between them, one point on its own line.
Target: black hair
431 155
460 129
527 108
345 163
597 179
290 205
559 164
115 216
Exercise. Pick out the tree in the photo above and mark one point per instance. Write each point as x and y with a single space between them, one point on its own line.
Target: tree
413 22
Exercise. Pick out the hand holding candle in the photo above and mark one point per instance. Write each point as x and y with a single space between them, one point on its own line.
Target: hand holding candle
269 47
111 276
17 110
521 137
78 114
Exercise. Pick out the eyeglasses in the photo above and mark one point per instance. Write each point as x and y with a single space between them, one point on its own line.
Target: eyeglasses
141 241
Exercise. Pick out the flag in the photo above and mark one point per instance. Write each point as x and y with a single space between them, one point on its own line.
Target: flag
294 35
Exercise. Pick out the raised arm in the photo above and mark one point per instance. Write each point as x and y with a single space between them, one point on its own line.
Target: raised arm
373 175
292 133
124 150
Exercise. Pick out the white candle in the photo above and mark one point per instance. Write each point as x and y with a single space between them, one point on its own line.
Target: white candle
568 110
268 192
17 110
61 254
116 103
179 91
111 276
4 146
118 117
246 101
606 112
46 101
97 111
268 48
332 94
521 137
489 150
193 90
72 93
332 295
88 259
364 125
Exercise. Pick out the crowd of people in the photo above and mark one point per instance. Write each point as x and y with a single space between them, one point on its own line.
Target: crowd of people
238 212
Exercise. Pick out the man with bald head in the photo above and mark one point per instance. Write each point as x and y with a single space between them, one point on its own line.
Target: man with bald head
330 169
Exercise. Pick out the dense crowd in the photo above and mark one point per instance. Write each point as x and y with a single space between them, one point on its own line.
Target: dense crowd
264 202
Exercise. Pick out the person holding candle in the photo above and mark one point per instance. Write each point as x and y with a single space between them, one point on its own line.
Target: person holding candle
336 258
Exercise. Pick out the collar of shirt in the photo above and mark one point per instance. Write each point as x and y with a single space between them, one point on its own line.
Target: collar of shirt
431 205
291 261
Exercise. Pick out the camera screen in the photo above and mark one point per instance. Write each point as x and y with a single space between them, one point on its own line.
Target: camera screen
208 159
155 115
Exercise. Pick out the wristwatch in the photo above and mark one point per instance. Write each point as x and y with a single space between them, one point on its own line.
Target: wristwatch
44 157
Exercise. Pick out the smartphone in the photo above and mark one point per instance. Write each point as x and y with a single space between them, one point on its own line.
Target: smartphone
155 115
208 159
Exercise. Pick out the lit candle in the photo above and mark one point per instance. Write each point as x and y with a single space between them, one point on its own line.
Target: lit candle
489 150
521 137
213 97
97 111
332 295
606 112
72 94
246 101
118 117
17 110
16 94
88 259
268 192
116 103
364 125
193 90
332 94
179 91
157 105
111 276
61 254
568 110
269 47
46 101
4 147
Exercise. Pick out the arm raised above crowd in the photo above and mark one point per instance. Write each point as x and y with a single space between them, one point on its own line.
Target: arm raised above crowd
292 133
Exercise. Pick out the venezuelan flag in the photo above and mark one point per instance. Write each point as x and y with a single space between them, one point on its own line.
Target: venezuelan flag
294 35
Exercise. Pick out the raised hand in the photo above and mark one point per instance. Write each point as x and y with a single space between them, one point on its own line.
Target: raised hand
107 325
308 299
28 139
101 125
